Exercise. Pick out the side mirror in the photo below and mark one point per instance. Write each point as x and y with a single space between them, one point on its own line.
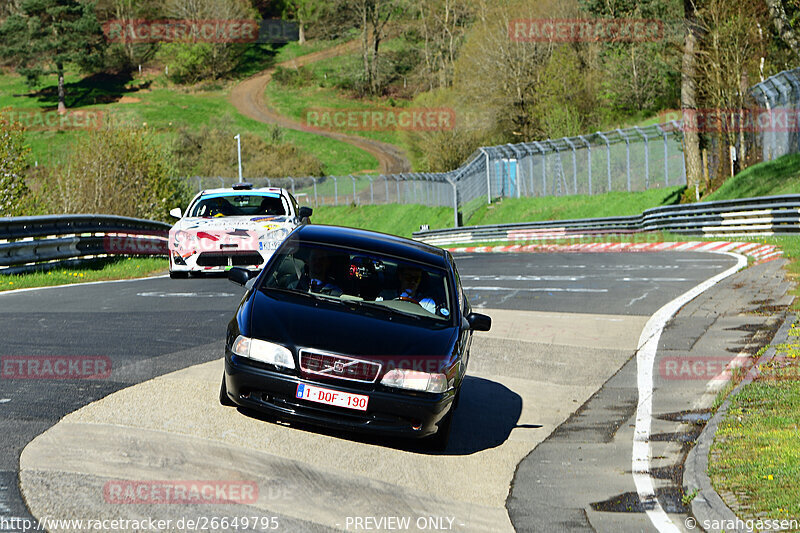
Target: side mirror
238 275
479 322
176 212
305 212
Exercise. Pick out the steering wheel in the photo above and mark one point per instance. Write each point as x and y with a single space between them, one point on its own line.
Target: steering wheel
407 299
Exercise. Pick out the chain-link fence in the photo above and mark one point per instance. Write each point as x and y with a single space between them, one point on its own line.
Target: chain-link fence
631 159
775 120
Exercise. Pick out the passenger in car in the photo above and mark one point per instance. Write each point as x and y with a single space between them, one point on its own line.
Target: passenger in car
410 287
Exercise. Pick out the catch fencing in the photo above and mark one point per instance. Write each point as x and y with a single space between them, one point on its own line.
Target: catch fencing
630 159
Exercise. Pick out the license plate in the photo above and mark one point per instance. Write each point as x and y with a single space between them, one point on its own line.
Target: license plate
332 397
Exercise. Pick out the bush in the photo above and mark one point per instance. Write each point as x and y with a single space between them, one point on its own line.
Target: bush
211 151
13 165
294 77
121 172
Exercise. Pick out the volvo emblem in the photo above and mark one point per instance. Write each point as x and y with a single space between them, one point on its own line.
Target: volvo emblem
338 367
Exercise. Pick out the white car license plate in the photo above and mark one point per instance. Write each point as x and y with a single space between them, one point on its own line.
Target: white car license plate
332 397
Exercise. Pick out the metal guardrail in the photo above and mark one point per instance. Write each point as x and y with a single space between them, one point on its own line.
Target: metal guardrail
33 243
766 215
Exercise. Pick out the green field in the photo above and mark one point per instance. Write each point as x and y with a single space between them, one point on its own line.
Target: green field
101 270
152 101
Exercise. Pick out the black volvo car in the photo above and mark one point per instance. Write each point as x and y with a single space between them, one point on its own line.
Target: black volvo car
354 330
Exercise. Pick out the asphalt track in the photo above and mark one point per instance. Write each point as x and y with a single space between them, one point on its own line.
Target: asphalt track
565 325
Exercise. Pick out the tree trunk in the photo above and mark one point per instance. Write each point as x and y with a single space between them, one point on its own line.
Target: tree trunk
302 39
365 44
691 137
783 26
62 106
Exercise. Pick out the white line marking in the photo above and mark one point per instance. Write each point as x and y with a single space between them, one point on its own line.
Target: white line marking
159 294
645 358
536 289
5 400
16 291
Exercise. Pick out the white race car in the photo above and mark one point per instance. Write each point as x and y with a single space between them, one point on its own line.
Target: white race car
223 228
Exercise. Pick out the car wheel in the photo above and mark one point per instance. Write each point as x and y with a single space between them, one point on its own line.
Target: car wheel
223 394
178 275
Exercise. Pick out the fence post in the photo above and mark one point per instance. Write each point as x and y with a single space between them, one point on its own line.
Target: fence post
627 156
666 155
371 192
646 157
454 184
316 200
292 180
608 158
574 166
335 190
683 159
544 167
488 178
386 184
589 160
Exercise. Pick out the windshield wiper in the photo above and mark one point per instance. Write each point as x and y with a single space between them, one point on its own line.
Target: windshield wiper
313 295
390 310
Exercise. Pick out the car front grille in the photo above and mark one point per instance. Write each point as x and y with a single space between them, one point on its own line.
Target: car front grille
334 366
229 259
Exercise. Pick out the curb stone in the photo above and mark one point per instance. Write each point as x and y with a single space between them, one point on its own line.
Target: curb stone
708 507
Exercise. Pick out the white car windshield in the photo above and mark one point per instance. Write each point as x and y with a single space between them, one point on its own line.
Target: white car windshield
238 204
356 276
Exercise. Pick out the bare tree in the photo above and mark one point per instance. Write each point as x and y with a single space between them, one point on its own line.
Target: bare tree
442 25
373 16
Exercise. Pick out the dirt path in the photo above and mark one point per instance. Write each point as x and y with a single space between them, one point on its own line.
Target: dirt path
248 98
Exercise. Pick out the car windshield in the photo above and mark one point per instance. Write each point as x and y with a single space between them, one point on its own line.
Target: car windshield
238 204
373 281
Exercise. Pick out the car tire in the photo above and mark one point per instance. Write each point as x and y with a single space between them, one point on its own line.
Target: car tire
438 441
223 394
178 275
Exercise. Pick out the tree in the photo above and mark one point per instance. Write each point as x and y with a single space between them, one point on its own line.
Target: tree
128 162
45 35
304 11
442 26
13 164
373 16
199 60
689 104
783 25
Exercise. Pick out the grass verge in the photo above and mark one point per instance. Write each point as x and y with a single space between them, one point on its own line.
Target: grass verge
755 455
779 176
100 270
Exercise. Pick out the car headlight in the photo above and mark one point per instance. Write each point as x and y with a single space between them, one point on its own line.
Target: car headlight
279 234
415 380
185 238
263 351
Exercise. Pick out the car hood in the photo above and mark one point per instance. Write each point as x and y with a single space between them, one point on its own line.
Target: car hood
190 233
300 322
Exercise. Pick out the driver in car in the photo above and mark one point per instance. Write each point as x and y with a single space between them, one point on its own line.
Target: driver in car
321 272
410 280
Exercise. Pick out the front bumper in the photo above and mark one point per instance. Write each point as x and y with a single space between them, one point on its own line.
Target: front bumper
218 261
388 413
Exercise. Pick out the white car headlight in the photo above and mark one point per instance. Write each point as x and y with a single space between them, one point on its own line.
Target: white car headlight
263 351
415 380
